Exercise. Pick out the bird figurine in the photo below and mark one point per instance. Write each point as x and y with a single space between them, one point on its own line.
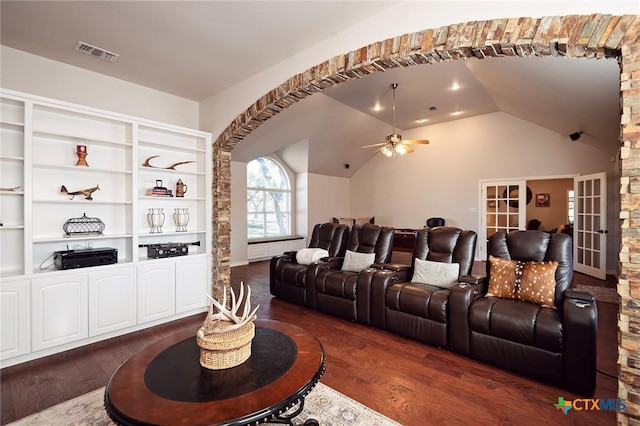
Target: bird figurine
86 192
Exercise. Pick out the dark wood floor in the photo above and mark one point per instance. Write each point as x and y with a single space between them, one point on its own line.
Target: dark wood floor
410 382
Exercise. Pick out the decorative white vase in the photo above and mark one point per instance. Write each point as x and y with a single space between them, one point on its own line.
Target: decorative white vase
155 217
181 218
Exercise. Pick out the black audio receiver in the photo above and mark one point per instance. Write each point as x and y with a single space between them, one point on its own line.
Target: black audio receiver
158 251
71 259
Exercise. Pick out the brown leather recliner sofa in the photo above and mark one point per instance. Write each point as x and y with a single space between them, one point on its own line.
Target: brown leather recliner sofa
549 335
419 309
337 291
287 278
488 318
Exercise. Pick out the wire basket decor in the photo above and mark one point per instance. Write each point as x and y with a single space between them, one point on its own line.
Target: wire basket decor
84 225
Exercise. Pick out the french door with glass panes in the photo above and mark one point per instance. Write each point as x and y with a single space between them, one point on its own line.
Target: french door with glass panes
590 223
504 209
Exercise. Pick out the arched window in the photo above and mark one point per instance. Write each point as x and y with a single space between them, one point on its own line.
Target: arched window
268 200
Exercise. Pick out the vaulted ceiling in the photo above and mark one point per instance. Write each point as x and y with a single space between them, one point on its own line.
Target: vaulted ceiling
197 49
322 133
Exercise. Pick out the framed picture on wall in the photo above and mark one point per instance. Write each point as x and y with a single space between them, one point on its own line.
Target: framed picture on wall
543 199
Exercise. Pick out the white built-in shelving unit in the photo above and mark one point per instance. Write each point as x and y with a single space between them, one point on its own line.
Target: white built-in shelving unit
38 140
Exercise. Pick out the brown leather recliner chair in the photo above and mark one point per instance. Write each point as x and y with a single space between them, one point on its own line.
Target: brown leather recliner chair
419 310
555 344
287 278
338 292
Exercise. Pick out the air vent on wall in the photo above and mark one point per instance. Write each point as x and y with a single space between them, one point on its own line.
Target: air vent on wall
96 52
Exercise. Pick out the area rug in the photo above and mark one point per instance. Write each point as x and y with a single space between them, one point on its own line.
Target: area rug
324 404
602 294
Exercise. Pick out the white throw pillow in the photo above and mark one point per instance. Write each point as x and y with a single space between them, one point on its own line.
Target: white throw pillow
356 262
439 274
307 256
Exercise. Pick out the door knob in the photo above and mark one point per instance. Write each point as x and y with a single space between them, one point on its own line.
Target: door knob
602 231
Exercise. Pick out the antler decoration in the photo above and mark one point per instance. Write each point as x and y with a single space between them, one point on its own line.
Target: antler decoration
171 167
219 322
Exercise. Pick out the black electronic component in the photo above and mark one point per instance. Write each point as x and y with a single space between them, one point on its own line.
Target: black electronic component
71 259
156 251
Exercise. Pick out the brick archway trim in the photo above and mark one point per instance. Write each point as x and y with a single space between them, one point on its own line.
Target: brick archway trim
575 36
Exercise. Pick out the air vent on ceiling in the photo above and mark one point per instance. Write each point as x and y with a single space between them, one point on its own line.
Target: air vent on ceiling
96 52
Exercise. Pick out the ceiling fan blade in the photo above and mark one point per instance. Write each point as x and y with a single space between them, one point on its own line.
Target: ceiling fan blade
409 149
375 144
415 142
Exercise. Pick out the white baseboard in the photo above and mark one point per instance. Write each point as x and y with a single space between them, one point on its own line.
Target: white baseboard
239 263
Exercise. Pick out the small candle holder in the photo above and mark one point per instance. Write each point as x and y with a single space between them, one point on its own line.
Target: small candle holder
81 152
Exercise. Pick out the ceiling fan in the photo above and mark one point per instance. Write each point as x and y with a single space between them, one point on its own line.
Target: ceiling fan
394 144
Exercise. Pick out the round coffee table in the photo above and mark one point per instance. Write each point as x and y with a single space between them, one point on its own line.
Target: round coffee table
165 384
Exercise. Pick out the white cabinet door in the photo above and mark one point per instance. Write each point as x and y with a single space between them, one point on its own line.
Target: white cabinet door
112 300
156 290
191 283
59 310
14 324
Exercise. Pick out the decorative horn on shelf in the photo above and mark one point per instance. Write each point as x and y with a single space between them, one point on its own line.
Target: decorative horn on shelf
171 167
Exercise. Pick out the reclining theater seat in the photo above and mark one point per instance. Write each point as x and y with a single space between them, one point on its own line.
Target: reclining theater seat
412 300
532 324
287 276
335 289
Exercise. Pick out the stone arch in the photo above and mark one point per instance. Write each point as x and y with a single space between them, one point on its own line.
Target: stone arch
586 36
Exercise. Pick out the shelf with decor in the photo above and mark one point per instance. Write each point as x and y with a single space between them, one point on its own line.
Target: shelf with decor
87 170
9 193
12 186
76 239
73 179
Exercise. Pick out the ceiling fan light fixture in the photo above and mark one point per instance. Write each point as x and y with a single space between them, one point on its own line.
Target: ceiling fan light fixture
394 144
394 138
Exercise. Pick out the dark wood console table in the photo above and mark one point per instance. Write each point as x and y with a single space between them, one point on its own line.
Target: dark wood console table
404 239
165 384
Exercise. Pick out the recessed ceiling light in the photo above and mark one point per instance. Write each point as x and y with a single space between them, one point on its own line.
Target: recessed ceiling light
422 120
377 107
455 86
457 112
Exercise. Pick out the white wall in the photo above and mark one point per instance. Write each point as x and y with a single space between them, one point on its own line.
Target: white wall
328 198
40 76
442 178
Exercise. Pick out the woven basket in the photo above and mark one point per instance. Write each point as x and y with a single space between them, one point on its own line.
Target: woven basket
227 349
